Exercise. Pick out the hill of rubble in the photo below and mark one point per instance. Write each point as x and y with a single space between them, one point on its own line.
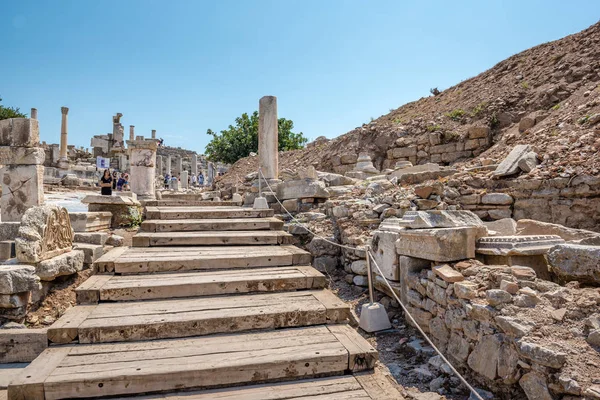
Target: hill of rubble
546 96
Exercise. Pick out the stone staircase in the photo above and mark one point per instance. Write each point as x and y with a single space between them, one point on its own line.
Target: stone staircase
209 299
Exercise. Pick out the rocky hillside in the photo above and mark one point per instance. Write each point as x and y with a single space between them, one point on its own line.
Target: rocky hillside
547 96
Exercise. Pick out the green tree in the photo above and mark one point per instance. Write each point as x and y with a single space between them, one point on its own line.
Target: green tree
10 112
239 140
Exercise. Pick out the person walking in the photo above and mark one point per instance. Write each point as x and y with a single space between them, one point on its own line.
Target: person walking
167 180
106 183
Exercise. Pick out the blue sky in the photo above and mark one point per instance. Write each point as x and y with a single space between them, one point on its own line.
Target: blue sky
181 67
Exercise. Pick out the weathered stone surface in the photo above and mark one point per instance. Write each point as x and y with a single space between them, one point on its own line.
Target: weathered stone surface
45 232
445 244
112 200
510 287
383 246
22 188
431 219
331 179
478 132
64 264
364 164
517 245
496 199
21 345
524 273
513 326
496 297
90 221
19 132
458 347
9 230
17 279
299 189
91 237
535 387
21 155
448 274
528 162
502 227
348 159
465 290
91 252
121 214
532 227
483 358
421 173
15 300
594 338
319 247
510 165
359 267
541 355
576 262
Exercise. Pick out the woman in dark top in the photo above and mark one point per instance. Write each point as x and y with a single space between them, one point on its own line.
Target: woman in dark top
115 178
106 183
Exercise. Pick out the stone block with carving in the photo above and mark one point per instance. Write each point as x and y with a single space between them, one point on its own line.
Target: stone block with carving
22 188
45 232
444 244
19 132
517 245
431 219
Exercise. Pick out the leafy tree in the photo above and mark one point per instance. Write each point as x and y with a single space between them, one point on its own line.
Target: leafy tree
239 140
10 112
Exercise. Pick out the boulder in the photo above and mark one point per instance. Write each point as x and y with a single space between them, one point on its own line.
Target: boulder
510 165
45 232
576 262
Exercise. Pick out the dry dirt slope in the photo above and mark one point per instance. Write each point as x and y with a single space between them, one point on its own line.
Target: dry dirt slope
558 81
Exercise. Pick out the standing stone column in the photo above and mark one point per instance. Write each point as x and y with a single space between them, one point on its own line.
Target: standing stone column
195 164
131 133
153 133
268 141
159 165
23 172
34 113
63 136
178 164
184 179
143 166
169 164
211 174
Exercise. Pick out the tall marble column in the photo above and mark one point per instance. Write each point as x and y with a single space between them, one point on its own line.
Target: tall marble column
63 136
168 165
153 133
143 167
131 133
178 163
34 113
268 141
195 164
159 165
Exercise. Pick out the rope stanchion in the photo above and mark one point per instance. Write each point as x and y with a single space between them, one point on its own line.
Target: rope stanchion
371 259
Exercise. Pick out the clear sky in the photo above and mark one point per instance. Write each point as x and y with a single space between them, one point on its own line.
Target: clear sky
181 67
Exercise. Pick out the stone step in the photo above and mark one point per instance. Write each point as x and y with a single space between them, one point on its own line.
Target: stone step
139 260
211 238
223 224
372 385
102 370
205 212
91 237
165 202
194 316
209 283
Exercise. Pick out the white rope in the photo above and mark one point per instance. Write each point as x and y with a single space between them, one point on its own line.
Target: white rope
410 317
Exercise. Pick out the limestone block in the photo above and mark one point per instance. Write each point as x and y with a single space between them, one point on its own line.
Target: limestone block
421 173
91 237
64 264
528 162
299 189
478 132
331 179
22 188
91 252
21 155
90 221
444 244
118 200
483 358
15 300
465 290
510 165
45 232
22 345
448 274
541 355
384 254
17 279
496 199
576 262
502 227
431 219
19 132
533 383
348 159
517 245
401 152
499 213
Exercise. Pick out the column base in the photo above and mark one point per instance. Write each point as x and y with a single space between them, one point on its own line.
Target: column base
64 164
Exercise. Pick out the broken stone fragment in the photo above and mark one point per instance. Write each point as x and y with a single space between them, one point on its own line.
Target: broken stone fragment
524 273
432 219
541 355
465 290
502 227
528 162
510 287
448 274
510 165
535 387
576 262
64 264
532 227
513 326
496 199
594 338
483 358
18 278
496 297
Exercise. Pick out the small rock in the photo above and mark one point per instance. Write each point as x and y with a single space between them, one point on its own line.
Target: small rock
535 387
558 314
359 267
510 287
48 320
115 241
437 384
594 337
360 280
524 273
497 297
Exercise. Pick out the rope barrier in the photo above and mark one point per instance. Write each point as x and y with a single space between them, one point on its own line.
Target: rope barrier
370 259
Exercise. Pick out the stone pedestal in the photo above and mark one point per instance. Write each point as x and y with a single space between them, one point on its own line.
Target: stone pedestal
143 165
23 172
184 179
195 165
118 132
268 140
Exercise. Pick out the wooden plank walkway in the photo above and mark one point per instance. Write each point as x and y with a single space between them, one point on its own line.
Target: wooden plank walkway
223 224
200 283
208 238
205 212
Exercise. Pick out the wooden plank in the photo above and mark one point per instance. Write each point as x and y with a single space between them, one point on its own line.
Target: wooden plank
362 356
166 365
89 291
379 385
221 224
65 329
29 384
21 345
175 285
106 263
174 318
205 212
211 238
301 257
331 388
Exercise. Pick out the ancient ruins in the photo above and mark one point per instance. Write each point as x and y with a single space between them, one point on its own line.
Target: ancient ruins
434 253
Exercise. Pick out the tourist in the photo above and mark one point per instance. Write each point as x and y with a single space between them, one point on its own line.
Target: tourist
201 179
194 180
167 180
106 183
126 183
115 178
120 182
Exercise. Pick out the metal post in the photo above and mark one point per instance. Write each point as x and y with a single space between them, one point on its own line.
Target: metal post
369 273
259 182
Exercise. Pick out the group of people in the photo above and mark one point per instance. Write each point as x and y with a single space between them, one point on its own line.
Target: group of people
193 180
109 182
